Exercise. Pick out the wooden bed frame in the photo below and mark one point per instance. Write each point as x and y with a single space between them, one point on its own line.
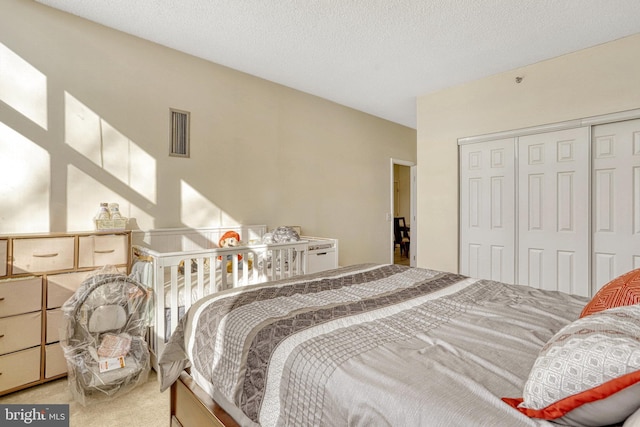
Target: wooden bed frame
191 406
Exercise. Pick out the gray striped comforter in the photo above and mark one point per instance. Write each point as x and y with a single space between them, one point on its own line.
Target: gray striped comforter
368 345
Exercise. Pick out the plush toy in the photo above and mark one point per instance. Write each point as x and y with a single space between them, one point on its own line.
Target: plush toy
285 234
194 266
231 239
282 234
181 267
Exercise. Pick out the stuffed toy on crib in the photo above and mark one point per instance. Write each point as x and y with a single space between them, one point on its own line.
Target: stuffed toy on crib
282 234
231 239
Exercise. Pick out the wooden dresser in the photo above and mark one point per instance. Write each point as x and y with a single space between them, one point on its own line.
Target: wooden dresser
38 273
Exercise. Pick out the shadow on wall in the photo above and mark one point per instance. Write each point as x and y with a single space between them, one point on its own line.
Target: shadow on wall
61 166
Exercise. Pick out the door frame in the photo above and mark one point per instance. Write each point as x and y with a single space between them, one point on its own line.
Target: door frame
413 215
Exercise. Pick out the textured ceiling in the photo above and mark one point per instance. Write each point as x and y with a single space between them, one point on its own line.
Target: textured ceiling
376 56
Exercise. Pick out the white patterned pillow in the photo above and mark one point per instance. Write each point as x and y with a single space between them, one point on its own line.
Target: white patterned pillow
588 374
633 420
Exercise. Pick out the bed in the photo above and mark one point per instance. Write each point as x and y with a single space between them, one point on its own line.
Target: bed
184 265
399 346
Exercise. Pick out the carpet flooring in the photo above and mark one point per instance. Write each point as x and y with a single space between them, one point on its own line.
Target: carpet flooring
143 406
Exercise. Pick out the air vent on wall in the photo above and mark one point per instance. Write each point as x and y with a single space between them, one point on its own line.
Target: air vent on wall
179 133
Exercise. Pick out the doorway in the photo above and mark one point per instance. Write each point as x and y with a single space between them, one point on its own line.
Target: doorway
403 191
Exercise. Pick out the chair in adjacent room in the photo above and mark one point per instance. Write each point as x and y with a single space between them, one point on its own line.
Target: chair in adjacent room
401 235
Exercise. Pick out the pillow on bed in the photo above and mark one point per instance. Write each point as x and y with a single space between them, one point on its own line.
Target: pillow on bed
623 290
588 374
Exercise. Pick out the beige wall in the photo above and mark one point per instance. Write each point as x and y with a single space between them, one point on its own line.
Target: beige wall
84 114
600 80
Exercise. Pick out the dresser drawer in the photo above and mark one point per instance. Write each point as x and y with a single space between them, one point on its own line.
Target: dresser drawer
18 296
3 257
55 362
20 332
55 321
60 287
19 368
43 254
95 251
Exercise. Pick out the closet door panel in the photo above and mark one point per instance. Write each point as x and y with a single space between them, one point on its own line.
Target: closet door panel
553 211
487 186
616 200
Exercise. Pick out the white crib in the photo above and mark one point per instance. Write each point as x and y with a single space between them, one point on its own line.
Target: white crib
183 265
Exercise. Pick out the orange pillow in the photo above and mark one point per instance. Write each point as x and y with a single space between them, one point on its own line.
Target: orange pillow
588 373
623 290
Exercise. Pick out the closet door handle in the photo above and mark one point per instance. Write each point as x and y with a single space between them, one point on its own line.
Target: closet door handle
106 251
51 255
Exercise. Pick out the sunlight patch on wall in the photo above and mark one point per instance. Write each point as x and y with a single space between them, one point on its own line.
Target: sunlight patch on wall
198 211
142 173
115 152
83 129
84 195
103 144
25 174
23 87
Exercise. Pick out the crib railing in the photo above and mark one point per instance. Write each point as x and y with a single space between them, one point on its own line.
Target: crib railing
179 279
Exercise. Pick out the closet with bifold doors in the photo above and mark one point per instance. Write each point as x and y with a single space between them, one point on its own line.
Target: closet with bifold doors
553 207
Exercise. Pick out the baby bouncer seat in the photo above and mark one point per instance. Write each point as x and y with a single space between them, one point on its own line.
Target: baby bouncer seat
103 336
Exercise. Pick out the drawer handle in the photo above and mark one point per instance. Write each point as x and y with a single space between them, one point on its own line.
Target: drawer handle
321 253
2 336
106 251
46 255
1 298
